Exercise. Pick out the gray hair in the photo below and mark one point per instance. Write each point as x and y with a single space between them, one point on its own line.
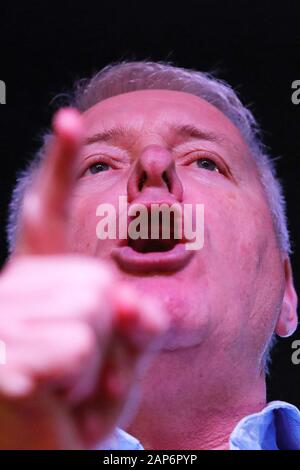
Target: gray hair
124 77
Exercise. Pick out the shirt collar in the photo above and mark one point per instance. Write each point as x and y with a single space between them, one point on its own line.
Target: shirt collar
276 427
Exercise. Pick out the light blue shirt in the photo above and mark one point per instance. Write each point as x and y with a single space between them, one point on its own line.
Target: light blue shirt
276 427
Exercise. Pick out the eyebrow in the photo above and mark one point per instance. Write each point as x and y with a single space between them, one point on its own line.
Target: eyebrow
183 132
190 131
111 135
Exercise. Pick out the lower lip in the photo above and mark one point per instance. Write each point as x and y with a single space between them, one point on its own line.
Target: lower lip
132 261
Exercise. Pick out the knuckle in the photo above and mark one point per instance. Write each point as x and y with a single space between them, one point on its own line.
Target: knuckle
96 307
99 274
85 343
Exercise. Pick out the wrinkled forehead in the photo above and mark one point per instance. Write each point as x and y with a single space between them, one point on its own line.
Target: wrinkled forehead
157 111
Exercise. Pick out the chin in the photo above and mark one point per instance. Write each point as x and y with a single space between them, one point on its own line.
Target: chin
188 321
168 290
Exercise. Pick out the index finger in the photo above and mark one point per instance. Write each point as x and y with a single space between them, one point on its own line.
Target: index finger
43 219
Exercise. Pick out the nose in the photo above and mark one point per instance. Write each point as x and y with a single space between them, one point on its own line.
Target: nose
155 167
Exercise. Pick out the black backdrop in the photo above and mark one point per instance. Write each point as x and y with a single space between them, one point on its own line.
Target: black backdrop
255 46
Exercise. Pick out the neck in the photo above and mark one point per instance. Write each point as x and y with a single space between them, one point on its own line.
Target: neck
195 406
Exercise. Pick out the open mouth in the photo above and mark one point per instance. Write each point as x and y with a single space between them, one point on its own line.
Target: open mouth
158 238
152 246
162 248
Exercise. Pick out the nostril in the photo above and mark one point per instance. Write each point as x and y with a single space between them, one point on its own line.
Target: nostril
142 181
166 180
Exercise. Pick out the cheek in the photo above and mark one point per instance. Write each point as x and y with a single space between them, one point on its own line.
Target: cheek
83 224
240 234
245 257
83 218
88 196
239 241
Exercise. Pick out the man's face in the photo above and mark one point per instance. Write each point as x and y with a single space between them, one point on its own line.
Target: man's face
230 291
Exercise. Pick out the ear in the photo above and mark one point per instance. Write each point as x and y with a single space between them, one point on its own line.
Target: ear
288 320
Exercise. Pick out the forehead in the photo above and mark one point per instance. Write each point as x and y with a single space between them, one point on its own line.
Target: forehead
152 110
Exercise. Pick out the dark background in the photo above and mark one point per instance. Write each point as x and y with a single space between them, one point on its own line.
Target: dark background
255 46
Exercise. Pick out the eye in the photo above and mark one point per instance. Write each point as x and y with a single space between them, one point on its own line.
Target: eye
98 168
207 164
